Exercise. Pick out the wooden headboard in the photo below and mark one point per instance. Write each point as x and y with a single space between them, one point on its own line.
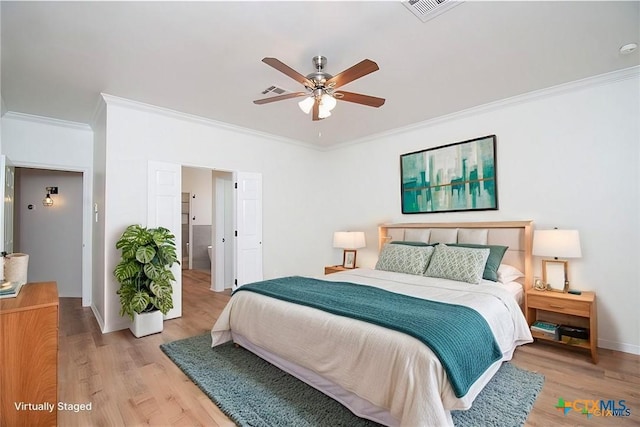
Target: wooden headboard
517 235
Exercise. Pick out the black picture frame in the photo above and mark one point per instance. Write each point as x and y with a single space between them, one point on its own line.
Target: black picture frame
450 178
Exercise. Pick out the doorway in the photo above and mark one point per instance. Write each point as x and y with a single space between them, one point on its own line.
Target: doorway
51 235
208 225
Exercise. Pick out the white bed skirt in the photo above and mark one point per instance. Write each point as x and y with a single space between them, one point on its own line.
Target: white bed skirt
351 401
359 406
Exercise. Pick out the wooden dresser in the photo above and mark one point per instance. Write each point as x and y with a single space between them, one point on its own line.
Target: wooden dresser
29 356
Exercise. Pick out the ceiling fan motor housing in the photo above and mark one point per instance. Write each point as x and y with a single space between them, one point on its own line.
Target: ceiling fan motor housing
319 77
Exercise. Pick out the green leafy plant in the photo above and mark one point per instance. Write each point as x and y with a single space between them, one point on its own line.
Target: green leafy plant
144 272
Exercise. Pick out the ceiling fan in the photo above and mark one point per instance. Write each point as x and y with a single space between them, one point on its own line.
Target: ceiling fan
321 93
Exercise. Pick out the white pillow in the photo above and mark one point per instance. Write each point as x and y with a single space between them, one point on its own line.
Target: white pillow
404 258
508 273
458 263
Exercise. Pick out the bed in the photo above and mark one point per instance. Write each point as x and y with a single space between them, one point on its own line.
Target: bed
380 373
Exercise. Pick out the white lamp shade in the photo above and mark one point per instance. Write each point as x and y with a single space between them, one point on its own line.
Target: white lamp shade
349 239
328 101
307 104
557 243
323 112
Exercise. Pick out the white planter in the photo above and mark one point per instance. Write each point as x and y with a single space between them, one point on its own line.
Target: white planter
146 323
15 267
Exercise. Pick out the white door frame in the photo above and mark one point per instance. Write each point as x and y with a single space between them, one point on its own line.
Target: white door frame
87 220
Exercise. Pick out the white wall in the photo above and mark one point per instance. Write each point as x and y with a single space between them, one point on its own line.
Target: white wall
569 159
40 141
99 273
290 172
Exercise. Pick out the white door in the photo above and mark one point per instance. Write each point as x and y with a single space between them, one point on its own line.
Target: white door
164 188
7 189
248 216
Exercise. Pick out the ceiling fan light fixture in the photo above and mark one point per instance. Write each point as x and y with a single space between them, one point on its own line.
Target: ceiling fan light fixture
306 104
323 112
328 101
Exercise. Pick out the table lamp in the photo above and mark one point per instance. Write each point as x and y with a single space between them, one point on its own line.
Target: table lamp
349 241
558 244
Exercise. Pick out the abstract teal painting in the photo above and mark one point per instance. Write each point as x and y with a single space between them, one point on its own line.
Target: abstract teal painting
449 178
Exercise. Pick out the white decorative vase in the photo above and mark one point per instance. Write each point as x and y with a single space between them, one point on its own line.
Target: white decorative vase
147 323
16 267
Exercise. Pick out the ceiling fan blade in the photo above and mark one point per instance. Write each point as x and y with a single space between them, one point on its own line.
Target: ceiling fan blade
284 68
358 98
361 69
279 97
316 111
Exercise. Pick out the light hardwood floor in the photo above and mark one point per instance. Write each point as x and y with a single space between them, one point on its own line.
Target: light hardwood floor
131 382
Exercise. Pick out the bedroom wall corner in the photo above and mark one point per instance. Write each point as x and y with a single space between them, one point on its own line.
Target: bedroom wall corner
568 159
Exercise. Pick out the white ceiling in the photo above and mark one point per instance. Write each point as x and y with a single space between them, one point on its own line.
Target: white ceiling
204 58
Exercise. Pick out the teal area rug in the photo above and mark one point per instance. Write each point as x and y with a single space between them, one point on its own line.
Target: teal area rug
255 393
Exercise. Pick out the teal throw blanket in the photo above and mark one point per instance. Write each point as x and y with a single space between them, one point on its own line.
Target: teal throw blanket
458 335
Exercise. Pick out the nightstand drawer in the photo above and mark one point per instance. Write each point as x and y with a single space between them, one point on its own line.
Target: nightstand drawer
562 305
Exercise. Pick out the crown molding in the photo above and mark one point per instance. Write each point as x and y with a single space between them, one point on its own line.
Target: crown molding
46 120
141 106
97 112
576 85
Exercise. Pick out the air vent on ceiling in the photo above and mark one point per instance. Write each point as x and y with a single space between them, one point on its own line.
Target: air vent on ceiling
429 9
273 89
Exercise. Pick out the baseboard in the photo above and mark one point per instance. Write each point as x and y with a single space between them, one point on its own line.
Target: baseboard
99 318
619 346
124 324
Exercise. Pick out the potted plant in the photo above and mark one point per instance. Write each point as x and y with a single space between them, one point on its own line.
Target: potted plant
145 276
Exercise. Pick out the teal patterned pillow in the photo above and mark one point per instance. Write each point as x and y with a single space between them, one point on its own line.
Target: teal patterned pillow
404 258
496 253
458 263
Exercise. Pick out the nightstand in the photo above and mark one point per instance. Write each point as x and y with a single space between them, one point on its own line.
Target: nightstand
334 269
564 309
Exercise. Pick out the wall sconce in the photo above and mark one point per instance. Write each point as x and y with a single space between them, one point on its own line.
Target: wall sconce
48 201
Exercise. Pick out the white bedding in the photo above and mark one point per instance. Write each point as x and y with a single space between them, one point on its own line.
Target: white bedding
514 288
390 370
